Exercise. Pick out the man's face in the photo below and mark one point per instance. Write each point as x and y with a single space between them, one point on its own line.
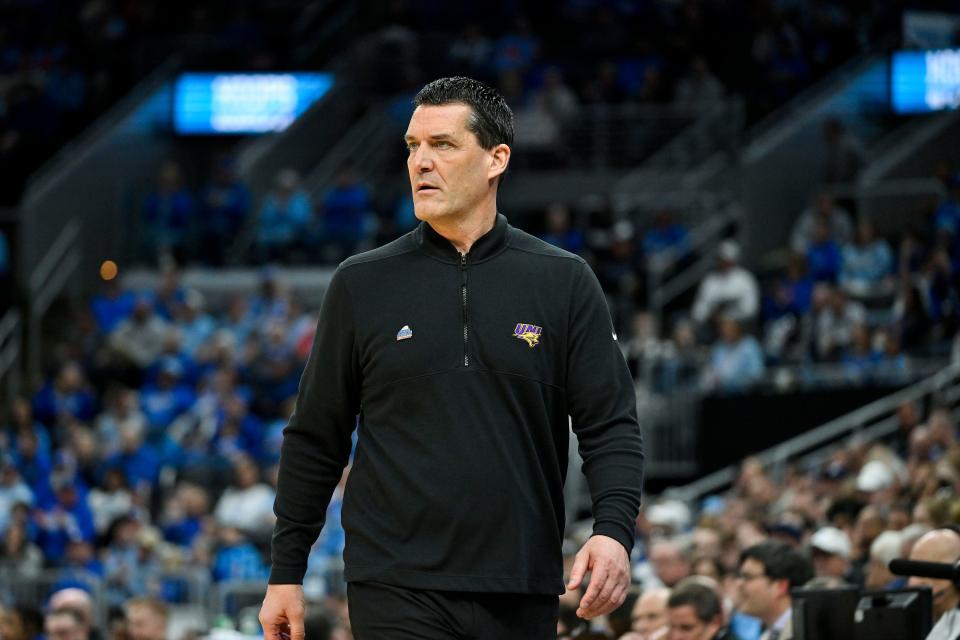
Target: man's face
650 613
938 548
758 593
449 171
62 627
685 625
829 564
145 624
669 564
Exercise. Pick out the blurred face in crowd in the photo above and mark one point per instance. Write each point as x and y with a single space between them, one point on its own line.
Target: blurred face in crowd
758 593
650 612
451 175
829 564
78 600
730 330
10 625
939 545
143 623
63 625
685 625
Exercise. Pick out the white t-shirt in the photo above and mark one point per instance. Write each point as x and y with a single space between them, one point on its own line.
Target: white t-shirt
734 291
248 509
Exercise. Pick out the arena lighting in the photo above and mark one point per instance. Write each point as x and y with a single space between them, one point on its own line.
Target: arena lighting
243 103
925 81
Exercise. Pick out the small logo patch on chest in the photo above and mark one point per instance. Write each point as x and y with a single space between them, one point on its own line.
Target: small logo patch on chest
529 333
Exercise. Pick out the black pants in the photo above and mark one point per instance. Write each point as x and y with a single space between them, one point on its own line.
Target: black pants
386 612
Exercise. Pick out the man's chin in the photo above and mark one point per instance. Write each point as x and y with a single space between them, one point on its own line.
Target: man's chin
427 214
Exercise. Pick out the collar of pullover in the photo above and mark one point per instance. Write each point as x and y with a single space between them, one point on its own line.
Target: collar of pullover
486 246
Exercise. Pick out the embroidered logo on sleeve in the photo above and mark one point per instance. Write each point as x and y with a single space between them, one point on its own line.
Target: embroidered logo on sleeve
405 333
529 333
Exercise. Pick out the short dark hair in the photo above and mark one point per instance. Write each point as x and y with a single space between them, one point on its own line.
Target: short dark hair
780 562
703 599
491 119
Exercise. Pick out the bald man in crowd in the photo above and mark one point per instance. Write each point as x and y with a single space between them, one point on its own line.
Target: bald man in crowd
80 601
940 545
64 624
650 616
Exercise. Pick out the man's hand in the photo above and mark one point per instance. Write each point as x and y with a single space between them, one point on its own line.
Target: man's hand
281 615
609 567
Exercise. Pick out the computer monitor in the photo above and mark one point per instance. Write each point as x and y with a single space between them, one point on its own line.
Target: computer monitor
900 614
821 613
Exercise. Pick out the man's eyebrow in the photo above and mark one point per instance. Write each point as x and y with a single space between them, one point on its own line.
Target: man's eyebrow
433 136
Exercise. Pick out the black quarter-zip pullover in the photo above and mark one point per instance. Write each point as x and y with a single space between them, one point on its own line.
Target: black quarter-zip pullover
463 370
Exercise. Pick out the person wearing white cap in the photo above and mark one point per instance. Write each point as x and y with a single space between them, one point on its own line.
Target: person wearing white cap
729 289
831 550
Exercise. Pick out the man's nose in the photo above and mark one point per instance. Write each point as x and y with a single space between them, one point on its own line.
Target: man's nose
423 159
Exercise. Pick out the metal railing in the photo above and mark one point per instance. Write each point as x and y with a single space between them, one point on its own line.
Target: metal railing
873 420
605 136
366 144
665 285
668 424
715 128
35 589
10 339
47 281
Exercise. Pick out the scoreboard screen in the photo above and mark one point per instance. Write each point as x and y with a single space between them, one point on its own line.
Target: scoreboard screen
923 81
243 103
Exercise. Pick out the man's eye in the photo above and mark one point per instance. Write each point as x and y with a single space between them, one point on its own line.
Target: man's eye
412 146
443 145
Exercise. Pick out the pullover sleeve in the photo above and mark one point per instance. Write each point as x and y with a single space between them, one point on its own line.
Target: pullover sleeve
603 406
316 441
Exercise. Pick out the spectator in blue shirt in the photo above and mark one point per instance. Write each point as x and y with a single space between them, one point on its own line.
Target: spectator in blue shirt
666 242
168 399
112 306
237 558
168 213
195 325
859 359
284 217
187 511
226 205
139 461
347 216
66 395
823 256
791 294
736 360
946 217
13 490
68 519
34 467
867 263
560 231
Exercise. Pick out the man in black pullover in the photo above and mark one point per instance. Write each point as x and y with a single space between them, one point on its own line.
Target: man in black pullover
466 347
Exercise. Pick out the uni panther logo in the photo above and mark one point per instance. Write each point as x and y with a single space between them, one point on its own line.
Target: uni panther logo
529 333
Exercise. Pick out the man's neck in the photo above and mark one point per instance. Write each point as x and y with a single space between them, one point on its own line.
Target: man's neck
776 613
464 232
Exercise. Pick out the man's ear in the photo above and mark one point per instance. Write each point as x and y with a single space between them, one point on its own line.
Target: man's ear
783 587
499 159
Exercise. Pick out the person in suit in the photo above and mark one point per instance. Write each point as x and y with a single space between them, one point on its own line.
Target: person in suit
768 570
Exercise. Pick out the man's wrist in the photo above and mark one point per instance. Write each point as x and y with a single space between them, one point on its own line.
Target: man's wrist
286 574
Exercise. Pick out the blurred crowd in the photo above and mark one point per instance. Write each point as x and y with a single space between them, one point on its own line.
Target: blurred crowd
824 525
148 457
64 64
858 307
